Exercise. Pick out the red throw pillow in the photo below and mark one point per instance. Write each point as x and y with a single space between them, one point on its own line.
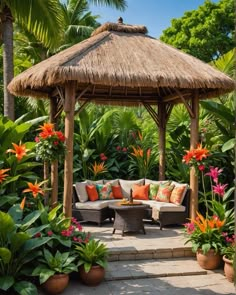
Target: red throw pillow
140 192
92 193
117 192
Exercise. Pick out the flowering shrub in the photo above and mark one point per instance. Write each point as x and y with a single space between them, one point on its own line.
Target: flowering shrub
97 169
229 249
205 233
35 190
50 144
19 150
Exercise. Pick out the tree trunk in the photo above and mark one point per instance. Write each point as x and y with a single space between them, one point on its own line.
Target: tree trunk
8 67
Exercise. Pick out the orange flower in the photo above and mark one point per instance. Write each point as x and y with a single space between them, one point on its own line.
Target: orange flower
140 136
47 127
34 189
20 150
98 168
148 154
47 130
3 175
138 152
188 157
22 204
201 152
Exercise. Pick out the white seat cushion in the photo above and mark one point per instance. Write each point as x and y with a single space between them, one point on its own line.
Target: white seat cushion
168 207
96 205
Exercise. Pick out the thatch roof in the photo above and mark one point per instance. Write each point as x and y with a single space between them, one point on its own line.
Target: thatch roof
122 65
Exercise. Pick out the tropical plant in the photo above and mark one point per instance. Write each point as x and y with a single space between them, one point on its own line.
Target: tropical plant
92 253
18 249
229 249
49 264
204 233
193 36
40 17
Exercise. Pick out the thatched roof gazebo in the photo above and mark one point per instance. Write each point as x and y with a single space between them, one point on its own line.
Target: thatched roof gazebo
121 65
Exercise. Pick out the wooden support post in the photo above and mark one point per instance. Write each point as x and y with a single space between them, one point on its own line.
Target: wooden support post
193 144
69 108
54 164
162 139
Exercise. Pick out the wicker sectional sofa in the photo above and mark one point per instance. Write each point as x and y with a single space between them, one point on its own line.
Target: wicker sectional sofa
165 213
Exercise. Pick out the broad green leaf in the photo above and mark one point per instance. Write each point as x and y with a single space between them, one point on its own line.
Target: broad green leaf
6 224
16 212
25 288
53 213
18 240
6 282
230 144
5 255
35 243
30 219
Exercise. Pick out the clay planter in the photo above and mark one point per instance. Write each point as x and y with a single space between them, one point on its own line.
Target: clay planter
228 269
210 260
56 284
94 277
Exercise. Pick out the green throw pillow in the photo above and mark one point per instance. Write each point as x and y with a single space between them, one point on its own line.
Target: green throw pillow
153 189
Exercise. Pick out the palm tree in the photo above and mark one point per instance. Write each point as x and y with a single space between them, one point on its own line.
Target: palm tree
42 17
78 22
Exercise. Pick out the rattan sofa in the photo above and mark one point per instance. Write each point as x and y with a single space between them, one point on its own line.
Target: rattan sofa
99 211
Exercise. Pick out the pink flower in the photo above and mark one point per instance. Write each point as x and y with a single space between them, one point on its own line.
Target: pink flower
50 233
55 142
38 235
124 149
189 227
37 139
219 189
118 148
214 173
201 167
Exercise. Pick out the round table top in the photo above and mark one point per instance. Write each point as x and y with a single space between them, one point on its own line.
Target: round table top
127 206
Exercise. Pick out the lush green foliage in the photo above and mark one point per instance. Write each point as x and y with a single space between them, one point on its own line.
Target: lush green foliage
92 253
17 250
206 39
50 264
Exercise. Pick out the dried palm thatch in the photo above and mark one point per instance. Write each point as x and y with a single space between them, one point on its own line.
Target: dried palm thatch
119 64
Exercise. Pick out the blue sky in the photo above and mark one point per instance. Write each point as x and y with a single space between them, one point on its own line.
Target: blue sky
156 15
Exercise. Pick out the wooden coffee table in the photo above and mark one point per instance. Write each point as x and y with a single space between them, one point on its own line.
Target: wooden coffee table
129 217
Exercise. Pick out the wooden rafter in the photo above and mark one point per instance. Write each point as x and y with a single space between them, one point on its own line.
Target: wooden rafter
151 112
188 107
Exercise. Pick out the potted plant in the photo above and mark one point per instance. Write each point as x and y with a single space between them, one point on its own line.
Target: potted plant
53 270
93 260
206 237
229 253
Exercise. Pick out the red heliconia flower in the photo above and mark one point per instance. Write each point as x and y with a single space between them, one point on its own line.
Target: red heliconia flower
201 153
188 157
20 150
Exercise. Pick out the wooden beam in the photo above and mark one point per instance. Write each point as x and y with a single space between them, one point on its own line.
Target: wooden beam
69 108
193 144
151 112
162 139
185 103
54 164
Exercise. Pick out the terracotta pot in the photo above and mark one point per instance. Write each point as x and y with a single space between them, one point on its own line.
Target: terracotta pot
228 269
210 260
56 284
94 277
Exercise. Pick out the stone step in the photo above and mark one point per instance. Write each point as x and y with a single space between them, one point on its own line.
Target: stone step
129 253
139 269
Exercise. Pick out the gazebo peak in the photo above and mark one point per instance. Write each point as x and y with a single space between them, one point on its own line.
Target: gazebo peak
120 27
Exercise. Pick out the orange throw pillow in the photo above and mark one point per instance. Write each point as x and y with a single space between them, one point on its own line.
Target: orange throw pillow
117 193
92 193
178 194
140 192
